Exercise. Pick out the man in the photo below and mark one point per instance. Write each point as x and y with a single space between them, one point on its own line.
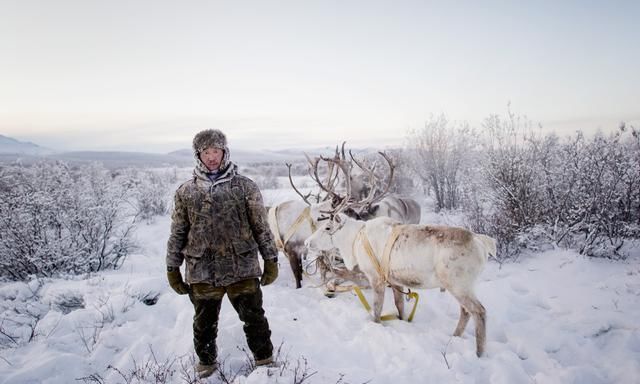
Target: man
218 226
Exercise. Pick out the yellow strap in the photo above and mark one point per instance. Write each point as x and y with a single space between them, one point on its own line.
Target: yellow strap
363 300
365 304
273 217
386 255
413 295
362 236
383 270
280 243
294 227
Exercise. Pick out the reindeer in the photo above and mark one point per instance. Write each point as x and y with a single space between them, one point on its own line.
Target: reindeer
408 255
377 204
291 223
403 209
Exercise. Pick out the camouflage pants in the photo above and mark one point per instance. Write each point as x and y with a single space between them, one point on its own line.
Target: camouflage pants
246 298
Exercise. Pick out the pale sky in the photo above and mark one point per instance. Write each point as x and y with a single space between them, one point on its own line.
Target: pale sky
147 75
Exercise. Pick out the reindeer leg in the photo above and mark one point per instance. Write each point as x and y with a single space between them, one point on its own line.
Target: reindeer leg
330 286
480 318
398 300
323 267
471 304
378 299
296 264
462 322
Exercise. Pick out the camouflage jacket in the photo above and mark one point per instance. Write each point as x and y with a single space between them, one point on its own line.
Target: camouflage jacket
218 228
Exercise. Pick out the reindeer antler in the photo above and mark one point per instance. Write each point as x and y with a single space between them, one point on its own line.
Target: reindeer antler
313 172
339 162
374 196
304 197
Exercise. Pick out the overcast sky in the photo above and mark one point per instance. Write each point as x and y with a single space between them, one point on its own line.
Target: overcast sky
147 75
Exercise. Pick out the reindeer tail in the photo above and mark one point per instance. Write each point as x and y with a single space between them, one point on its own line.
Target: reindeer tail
489 243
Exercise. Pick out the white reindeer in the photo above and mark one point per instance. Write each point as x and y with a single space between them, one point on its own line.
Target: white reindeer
408 255
363 186
291 224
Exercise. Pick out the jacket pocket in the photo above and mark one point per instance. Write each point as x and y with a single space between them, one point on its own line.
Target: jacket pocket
244 246
245 255
196 248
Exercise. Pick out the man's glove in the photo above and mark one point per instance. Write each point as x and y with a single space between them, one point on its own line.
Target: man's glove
176 282
270 273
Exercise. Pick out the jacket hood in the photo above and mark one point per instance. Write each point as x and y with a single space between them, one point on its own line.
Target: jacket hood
210 138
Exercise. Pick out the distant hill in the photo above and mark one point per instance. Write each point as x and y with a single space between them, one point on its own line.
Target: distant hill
10 145
114 159
27 153
243 157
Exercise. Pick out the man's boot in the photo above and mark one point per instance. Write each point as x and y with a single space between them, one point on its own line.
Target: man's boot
206 370
266 361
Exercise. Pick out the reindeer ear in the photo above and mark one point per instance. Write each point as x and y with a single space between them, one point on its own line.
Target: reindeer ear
337 219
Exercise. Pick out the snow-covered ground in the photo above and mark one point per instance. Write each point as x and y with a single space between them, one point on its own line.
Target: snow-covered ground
553 317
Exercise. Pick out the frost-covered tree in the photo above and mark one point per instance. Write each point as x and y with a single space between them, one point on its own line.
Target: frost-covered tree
440 154
403 180
579 193
512 178
531 190
149 190
55 219
606 195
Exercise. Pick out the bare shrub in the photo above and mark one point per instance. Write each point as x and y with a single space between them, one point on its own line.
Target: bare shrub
149 190
89 333
536 190
20 318
150 370
69 302
57 220
440 154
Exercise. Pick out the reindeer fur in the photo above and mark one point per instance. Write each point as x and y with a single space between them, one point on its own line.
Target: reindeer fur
423 256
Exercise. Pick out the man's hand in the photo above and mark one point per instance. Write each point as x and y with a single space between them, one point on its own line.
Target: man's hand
270 273
176 282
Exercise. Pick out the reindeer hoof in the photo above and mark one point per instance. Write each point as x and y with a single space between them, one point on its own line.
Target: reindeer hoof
330 294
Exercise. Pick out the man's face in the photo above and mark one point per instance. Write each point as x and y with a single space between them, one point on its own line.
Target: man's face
211 158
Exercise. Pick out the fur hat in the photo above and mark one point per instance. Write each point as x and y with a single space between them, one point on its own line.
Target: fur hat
209 138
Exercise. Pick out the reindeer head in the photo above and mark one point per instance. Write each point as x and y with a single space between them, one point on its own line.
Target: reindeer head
347 203
358 205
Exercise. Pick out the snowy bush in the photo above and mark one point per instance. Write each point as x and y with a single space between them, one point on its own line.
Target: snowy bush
439 156
578 193
533 191
149 190
606 194
267 180
20 313
403 180
508 200
55 220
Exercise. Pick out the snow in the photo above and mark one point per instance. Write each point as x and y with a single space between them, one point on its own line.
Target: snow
552 317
